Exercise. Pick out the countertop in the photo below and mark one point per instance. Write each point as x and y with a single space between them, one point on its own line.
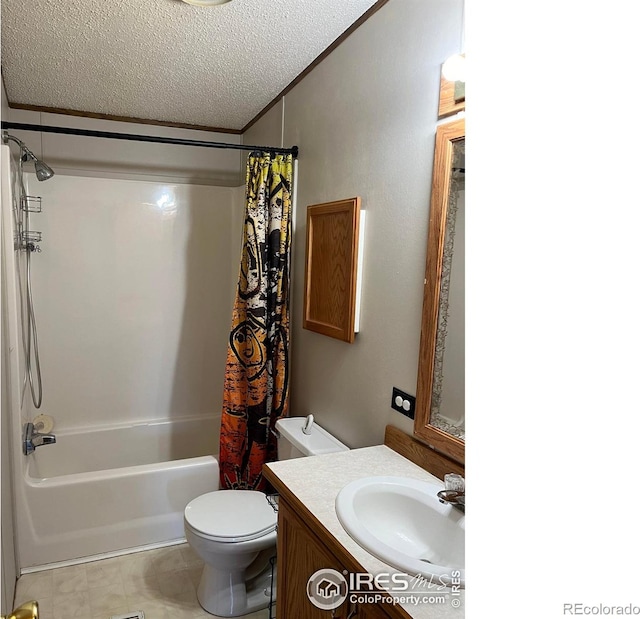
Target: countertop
316 481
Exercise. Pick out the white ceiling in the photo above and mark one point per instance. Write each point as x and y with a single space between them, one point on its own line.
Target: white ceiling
165 60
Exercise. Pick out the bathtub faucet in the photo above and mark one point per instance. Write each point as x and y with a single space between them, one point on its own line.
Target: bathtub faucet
33 439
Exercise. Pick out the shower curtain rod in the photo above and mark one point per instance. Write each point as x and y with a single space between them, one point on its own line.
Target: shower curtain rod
147 138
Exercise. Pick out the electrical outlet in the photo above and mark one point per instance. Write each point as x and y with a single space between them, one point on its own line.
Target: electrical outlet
403 403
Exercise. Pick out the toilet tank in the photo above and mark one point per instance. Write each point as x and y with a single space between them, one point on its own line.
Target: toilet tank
294 443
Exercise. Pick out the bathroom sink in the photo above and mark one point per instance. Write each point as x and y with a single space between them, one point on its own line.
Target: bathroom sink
401 522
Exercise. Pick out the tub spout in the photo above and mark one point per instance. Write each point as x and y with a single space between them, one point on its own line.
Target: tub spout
33 439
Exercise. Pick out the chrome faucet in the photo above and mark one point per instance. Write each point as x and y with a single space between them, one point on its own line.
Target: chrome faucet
33 439
453 493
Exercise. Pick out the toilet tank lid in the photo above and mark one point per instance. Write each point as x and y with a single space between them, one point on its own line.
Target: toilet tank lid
319 441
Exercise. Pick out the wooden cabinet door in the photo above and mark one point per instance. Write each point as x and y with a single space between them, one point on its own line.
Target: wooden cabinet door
300 554
331 272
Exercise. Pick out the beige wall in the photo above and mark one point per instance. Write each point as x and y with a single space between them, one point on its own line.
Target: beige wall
365 120
268 130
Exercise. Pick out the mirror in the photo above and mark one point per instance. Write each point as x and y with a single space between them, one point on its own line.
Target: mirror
440 405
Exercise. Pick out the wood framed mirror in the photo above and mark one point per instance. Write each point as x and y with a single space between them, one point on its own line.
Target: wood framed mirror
439 419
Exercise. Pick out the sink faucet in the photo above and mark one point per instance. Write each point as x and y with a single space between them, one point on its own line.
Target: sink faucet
33 439
453 493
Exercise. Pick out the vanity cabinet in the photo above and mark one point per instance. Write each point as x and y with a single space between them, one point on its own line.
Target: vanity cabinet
301 552
310 538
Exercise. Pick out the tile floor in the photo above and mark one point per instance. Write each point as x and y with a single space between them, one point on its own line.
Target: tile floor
162 583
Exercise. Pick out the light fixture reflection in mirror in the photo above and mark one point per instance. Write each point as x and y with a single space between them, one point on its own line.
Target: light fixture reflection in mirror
454 68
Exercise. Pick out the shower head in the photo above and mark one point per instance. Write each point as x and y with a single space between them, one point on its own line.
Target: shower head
43 171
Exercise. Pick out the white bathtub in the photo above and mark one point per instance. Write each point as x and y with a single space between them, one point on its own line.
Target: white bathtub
109 489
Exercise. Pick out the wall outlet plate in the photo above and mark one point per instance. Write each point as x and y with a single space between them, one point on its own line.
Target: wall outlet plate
403 403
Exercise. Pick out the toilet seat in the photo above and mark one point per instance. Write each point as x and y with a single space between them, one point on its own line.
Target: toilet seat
231 515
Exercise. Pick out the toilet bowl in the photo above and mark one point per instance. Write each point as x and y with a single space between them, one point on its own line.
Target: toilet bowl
231 530
234 531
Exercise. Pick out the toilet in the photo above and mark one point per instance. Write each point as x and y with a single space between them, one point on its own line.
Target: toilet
234 531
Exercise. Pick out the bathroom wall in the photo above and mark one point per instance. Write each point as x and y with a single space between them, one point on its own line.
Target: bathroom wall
134 286
365 121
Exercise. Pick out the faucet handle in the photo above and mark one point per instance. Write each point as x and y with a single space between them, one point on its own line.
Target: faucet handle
453 481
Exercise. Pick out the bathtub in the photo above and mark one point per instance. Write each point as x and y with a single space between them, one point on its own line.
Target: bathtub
106 490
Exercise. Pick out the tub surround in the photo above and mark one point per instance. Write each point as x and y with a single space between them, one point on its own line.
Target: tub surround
132 293
310 485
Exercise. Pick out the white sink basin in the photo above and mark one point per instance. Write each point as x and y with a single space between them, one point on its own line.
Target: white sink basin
401 522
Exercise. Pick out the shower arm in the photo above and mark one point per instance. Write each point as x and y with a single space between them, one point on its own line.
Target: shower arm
6 137
43 171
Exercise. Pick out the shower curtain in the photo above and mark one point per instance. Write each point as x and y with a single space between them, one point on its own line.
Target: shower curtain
256 385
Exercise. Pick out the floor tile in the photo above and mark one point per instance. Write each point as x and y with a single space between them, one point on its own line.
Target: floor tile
103 573
68 605
168 560
106 600
185 606
195 573
45 608
191 559
161 582
140 598
175 583
145 587
138 565
34 586
70 580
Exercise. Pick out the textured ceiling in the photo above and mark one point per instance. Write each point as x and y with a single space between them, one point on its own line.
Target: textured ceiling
165 60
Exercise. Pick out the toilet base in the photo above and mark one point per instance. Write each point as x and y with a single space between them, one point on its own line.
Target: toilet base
226 594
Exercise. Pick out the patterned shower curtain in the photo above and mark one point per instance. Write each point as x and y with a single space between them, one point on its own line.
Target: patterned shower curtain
256 385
